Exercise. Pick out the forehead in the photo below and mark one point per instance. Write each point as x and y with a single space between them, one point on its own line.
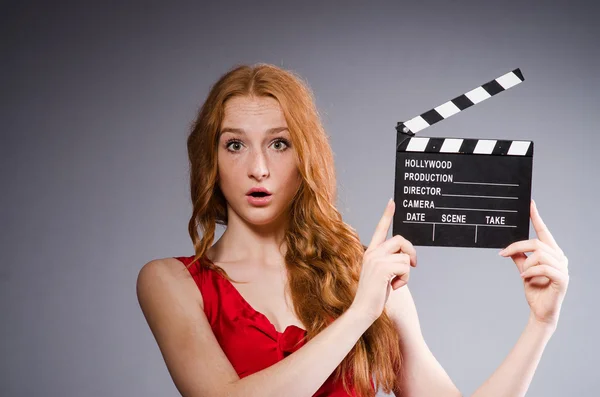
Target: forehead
245 109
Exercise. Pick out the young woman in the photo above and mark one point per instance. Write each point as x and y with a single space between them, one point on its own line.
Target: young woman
288 302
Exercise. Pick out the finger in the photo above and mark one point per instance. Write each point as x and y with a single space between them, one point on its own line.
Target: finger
552 273
400 280
399 269
542 257
541 230
529 246
399 244
519 258
383 226
398 283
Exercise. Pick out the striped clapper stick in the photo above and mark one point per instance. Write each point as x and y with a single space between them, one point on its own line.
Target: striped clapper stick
459 192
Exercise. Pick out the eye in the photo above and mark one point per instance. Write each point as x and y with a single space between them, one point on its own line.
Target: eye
284 141
229 144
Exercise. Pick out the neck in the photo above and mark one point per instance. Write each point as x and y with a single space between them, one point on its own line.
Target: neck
244 242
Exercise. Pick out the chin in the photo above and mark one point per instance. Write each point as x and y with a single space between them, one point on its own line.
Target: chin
260 220
261 216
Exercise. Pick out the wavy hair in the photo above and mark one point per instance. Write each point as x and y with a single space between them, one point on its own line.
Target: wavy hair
324 254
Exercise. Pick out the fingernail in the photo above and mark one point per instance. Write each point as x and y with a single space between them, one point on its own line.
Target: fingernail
501 253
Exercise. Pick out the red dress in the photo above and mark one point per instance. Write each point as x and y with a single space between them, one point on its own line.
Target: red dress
249 340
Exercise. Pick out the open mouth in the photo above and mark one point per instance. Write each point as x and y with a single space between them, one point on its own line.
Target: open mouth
259 194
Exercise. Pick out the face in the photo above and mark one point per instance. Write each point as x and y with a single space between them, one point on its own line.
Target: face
255 150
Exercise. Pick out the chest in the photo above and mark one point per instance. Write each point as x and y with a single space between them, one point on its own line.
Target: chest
265 291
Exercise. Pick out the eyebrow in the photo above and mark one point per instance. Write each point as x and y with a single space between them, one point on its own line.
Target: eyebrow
270 131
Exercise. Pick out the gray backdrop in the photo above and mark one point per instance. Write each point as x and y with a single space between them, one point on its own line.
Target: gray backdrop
97 100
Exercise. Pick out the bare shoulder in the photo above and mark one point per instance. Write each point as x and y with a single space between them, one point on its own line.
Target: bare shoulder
159 275
170 302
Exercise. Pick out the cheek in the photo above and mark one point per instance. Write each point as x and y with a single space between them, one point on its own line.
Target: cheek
227 175
293 179
228 166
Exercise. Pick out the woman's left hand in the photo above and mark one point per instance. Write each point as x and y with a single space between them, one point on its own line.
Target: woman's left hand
545 272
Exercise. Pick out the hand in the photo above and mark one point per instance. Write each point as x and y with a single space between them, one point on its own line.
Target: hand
383 261
545 272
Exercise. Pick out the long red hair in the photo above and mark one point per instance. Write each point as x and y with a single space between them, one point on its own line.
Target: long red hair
324 254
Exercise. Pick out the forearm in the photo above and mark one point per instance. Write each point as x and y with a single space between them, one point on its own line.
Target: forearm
514 375
302 373
422 374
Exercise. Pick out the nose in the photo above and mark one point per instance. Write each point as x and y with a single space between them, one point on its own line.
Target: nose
258 168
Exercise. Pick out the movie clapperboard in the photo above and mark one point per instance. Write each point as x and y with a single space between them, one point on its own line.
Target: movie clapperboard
460 192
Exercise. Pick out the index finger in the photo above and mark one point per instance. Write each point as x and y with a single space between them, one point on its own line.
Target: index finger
399 244
383 226
541 229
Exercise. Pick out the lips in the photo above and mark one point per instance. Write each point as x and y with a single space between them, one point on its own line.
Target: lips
255 200
258 192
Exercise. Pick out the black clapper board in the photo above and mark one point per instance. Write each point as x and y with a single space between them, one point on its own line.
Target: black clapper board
457 192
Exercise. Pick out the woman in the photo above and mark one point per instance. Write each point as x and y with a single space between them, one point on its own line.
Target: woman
312 311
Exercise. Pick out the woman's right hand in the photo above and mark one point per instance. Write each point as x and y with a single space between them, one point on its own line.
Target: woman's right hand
383 261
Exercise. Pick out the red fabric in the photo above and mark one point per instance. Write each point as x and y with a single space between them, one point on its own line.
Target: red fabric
249 340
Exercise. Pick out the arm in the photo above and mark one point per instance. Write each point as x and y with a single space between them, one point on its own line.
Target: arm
421 374
546 278
302 373
515 373
197 363
545 274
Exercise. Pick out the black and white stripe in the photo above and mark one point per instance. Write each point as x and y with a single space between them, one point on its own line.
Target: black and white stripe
462 102
467 146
